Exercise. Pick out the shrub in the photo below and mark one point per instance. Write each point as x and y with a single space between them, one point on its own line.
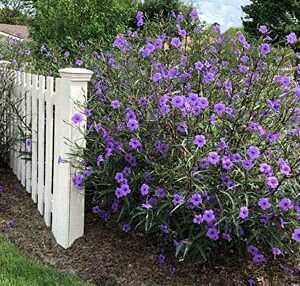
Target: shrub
9 112
13 127
196 138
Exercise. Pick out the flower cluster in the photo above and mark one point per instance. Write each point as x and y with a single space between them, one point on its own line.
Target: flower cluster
195 136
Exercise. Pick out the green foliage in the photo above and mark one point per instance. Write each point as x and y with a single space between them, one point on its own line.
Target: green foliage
13 17
280 16
67 22
158 9
19 270
15 12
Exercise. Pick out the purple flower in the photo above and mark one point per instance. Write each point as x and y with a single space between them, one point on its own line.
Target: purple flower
195 200
60 160
164 228
202 102
297 207
296 235
286 204
226 236
100 159
276 251
115 104
161 147
247 164
10 223
212 233
194 14
265 169
79 62
172 270
175 42
291 38
140 18
119 177
147 205
178 101
264 203
28 142
219 108
87 112
135 144
213 158
77 118
161 258
252 250
132 124
145 190
226 163
182 127
160 193
199 65
198 219
78 180
265 49
208 77
66 54
126 228
253 152
263 29
236 158
208 216
157 77
177 199
285 169
244 212
259 258
199 140
272 183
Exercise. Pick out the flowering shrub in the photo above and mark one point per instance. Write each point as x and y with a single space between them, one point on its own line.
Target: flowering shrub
8 110
192 135
12 121
195 137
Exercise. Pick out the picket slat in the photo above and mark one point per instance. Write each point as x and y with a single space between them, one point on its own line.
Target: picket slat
34 119
22 127
49 150
16 166
28 123
41 143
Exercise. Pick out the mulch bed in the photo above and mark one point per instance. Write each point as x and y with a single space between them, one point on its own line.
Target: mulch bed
106 256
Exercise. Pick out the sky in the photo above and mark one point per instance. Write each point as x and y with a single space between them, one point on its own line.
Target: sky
227 13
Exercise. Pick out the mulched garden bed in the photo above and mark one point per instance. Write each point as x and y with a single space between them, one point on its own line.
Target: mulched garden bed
106 256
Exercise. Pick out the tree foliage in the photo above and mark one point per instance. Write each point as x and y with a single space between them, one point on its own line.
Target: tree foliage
280 16
15 12
67 21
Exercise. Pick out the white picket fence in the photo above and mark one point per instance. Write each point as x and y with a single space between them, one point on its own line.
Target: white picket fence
48 105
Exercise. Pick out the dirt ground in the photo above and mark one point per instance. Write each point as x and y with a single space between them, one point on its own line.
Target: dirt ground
107 256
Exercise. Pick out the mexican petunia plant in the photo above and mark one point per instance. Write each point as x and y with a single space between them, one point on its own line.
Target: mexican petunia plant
194 136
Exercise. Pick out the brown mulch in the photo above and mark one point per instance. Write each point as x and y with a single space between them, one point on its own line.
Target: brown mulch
106 256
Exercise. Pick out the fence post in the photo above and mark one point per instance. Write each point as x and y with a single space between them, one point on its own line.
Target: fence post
68 201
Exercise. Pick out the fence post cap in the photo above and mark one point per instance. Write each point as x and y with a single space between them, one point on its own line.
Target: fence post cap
76 74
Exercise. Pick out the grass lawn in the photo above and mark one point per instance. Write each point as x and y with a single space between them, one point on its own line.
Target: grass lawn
18 270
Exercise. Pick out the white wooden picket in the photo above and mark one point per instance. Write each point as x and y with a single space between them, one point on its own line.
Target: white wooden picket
48 113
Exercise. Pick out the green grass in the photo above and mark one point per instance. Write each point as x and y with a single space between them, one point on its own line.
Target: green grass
18 270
